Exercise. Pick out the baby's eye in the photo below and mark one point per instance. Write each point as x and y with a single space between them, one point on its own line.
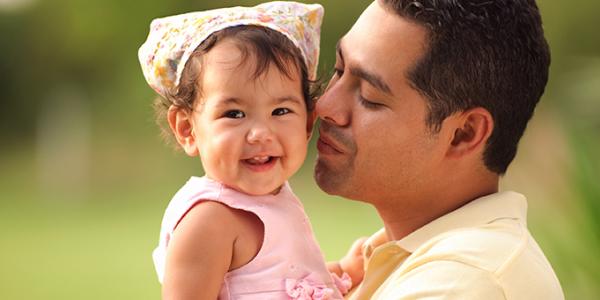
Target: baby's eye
281 111
234 114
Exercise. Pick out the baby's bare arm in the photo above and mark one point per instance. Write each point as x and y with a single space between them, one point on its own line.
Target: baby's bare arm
199 253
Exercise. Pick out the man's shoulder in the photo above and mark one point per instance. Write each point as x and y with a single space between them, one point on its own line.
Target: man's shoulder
500 260
489 247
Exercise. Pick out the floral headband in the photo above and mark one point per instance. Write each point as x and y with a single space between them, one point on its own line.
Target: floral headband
173 39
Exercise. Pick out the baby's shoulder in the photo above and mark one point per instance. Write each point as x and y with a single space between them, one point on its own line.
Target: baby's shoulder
208 215
216 225
207 225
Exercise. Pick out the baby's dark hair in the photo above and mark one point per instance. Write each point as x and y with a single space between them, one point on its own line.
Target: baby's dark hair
265 45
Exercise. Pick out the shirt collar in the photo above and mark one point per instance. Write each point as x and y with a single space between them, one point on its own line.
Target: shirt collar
503 205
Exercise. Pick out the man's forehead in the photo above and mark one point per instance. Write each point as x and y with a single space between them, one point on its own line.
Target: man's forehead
383 42
365 72
380 23
374 12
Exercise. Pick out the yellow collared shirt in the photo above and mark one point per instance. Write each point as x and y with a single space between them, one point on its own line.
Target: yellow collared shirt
482 250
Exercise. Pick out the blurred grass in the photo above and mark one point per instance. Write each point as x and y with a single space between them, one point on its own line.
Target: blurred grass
61 245
57 246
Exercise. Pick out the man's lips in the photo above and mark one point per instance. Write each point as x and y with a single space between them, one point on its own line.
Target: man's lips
326 146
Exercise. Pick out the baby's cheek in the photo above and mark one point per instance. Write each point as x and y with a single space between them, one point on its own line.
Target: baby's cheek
298 153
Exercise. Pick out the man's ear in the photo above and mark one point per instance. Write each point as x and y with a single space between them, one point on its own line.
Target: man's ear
472 130
310 122
181 124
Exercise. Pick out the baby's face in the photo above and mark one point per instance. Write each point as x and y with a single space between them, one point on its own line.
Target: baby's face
251 134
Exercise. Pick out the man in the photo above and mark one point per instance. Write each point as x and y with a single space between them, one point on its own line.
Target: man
422 117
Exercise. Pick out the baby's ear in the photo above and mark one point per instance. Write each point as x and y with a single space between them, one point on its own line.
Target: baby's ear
181 124
310 122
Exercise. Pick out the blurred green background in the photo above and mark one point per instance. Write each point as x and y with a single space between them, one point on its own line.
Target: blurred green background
84 176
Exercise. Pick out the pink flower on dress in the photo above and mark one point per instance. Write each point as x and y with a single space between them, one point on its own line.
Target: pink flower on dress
303 289
343 283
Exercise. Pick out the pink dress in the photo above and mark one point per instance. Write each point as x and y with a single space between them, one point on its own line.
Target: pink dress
289 265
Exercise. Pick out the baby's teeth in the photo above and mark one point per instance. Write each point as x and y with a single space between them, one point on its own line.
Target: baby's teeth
260 159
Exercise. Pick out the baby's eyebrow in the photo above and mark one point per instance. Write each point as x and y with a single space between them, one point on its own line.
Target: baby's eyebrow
228 101
289 99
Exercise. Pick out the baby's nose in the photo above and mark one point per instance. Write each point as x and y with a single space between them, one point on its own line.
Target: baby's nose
259 133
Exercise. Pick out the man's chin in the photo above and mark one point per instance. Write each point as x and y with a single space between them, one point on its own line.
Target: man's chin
329 180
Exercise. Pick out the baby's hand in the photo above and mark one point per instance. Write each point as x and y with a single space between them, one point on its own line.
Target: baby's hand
353 262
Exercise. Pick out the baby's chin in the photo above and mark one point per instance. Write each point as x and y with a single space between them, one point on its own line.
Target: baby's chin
254 188
259 191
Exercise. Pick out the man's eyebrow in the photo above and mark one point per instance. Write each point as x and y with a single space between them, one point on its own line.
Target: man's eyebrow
374 79
338 49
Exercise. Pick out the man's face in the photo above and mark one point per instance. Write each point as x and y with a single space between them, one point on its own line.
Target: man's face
374 142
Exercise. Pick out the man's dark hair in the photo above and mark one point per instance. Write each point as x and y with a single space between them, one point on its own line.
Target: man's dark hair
481 53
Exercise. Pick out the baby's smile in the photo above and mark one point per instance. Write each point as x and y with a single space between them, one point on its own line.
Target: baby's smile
261 163
259 160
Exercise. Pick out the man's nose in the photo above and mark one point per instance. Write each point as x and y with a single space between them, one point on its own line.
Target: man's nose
260 132
333 105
